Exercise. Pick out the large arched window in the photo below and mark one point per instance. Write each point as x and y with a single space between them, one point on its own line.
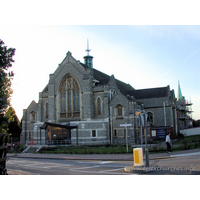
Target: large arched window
69 98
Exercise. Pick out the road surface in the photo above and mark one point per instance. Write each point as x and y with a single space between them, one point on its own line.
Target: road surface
26 166
177 163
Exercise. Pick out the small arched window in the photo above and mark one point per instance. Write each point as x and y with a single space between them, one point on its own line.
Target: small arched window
32 116
46 109
99 106
119 111
149 119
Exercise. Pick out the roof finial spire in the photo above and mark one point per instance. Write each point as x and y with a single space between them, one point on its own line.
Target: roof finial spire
88 50
88 58
179 96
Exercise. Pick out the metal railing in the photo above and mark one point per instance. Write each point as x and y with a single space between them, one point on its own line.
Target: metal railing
82 141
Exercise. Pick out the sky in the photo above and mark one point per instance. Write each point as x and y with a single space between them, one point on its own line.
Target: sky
145 56
144 43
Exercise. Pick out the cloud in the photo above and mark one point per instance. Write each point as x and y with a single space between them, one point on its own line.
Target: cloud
166 73
191 55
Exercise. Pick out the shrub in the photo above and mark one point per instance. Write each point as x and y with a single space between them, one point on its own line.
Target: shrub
185 143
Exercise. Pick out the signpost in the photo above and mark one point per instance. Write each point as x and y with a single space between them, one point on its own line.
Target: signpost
126 125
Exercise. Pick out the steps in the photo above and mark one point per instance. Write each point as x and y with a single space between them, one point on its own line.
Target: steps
32 149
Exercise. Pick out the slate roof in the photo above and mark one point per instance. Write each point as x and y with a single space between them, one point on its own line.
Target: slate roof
104 79
123 87
84 65
149 93
100 76
127 90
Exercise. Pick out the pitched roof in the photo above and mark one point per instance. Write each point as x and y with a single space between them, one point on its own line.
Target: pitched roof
84 65
126 89
149 93
104 79
100 76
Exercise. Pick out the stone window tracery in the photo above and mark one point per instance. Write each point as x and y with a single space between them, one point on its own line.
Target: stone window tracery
149 119
69 98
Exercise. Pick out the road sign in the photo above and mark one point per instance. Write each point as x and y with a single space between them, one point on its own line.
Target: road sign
125 124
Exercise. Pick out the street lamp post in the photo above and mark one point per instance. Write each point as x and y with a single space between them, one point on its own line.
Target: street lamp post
143 124
145 133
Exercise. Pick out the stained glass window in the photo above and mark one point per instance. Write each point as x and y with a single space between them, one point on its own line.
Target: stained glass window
69 98
69 101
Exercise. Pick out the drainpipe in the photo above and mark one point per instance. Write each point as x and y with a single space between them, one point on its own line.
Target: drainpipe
111 138
164 113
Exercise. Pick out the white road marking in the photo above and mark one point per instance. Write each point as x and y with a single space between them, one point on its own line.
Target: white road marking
34 164
20 172
185 154
30 166
103 162
44 167
106 162
14 162
81 170
111 170
75 169
49 167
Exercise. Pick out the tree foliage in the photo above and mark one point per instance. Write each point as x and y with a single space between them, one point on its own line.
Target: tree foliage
196 123
13 126
6 60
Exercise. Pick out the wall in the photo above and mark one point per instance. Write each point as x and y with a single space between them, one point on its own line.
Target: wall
190 131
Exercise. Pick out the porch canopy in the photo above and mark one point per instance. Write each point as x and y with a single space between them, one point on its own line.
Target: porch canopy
68 127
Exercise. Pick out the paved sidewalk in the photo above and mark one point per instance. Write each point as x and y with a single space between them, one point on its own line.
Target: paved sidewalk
114 157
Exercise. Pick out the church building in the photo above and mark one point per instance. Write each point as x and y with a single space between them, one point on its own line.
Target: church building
82 105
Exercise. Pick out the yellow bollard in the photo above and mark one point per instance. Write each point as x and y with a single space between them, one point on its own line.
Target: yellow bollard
138 157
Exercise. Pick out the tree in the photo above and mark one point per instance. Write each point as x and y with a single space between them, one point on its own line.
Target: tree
6 60
196 123
13 126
